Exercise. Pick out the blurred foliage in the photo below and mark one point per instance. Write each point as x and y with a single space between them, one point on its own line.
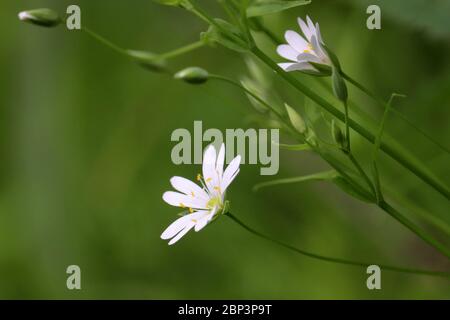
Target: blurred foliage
85 157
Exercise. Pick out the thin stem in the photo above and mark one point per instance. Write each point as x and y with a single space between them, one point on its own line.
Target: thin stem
404 159
347 127
321 176
256 97
105 41
182 50
361 172
381 103
336 260
412 226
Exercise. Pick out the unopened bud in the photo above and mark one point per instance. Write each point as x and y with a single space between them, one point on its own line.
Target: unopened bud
42 17
148 60
339 86
297 121
193 75
338 135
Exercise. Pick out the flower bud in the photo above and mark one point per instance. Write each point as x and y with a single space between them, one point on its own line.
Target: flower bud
338 135
339 86
297 122
193 75
148 60
42 17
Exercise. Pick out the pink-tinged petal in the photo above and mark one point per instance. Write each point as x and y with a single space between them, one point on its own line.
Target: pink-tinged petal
231 172
296 41
286 65
287 52
319 51
188 187
175 228
188 227
181 200
305 29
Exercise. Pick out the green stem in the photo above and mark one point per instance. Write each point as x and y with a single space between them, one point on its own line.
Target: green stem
399 156
256 97
412 226
105 41
381 103
182 50
336 260
347 127
321 176
361 172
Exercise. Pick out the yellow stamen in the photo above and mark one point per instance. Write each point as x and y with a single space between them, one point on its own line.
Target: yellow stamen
208 180
192 193
191 210
182 205
199 177
217 188
193 220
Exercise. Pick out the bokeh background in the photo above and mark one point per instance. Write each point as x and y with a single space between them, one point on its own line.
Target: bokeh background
85 157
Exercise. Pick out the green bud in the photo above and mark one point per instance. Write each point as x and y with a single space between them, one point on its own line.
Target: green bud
339 86
296 119
42 17
148 60
338 135
193 75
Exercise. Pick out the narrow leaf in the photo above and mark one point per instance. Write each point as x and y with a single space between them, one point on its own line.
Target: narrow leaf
264 7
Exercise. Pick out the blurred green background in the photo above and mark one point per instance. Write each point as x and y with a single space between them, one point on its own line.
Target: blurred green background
85 157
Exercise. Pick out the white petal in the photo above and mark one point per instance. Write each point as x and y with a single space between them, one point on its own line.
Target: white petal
318 34
286 65
306 57
220 161
311 26
230 172
201 224
305 29
181 200
188 187
320 52
188 227
175 227
296 41
209 168
302 66
287 52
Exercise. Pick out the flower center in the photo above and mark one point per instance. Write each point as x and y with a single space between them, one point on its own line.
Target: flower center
214 202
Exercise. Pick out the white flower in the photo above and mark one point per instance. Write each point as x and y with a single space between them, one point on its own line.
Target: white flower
203 203
303 50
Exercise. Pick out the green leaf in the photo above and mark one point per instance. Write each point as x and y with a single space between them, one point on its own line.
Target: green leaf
263 7
353 191
226 35
321 176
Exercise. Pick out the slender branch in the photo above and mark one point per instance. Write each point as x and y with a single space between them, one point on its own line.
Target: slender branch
333 259
397 154
381 103
105 41
182 50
